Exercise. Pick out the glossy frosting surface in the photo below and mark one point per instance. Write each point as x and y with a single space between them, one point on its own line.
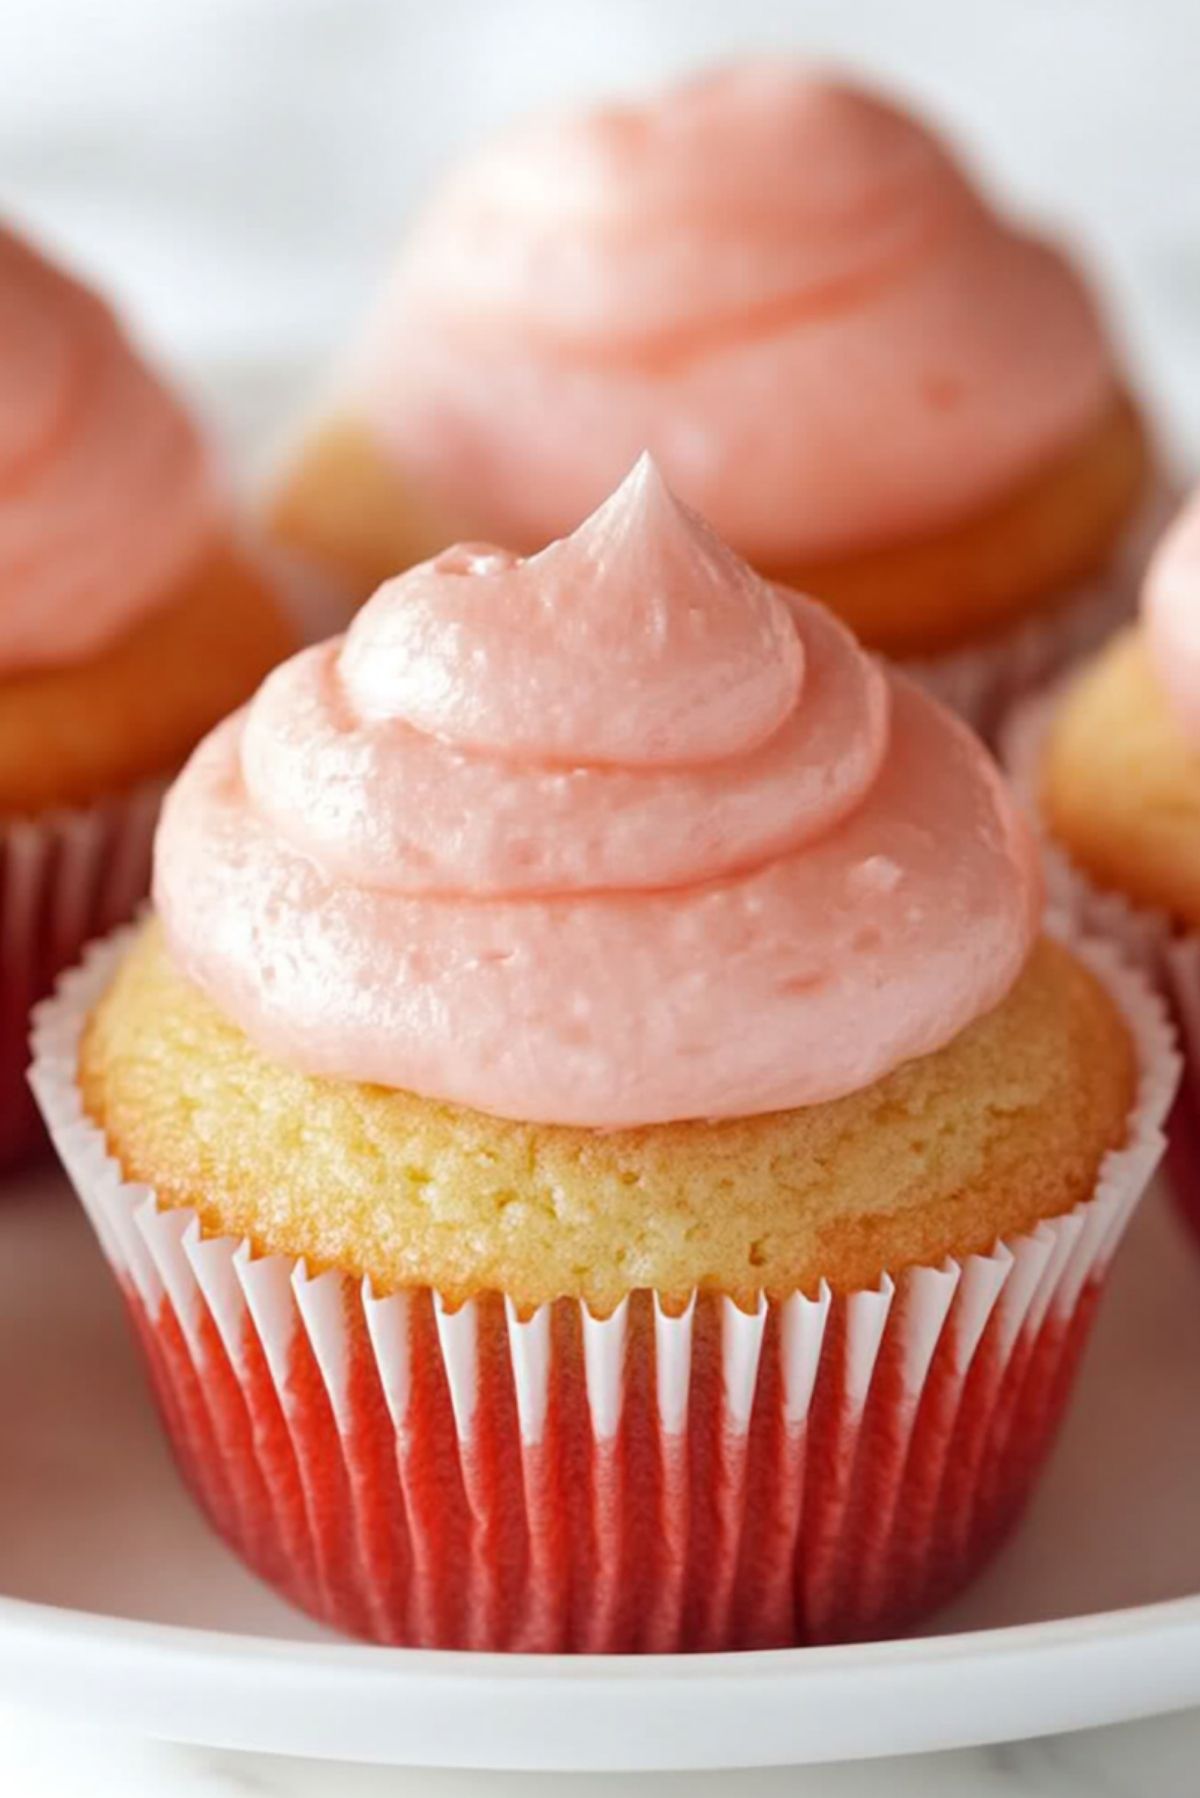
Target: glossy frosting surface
615 835
783 286
106 495
1171 610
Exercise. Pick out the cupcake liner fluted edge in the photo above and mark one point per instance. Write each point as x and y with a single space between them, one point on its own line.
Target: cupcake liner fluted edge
66 877
1168 956
822 1467
983 681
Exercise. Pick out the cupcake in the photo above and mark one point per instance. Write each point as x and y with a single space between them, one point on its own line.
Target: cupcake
1111 764
131 620
876 387
597 1149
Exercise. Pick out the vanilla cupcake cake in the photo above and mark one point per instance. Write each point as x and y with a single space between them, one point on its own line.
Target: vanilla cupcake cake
875 386
595 1079
131 619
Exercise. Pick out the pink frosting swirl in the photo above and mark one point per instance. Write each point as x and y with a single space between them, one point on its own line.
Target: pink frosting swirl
1171 612
612 836
783 286
105 490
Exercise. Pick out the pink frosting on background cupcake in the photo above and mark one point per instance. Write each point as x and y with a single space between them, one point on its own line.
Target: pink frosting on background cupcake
616 835
106 496
782 285
1171 609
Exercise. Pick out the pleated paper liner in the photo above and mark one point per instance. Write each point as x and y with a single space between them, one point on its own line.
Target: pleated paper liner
65 878
825 1467
982 682
1168 956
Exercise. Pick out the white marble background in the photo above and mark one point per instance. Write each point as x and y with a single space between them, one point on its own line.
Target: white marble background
236 170
1157 1759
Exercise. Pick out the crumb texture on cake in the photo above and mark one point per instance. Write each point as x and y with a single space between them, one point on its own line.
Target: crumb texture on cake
1120 783
74 733
342 504
1006 1126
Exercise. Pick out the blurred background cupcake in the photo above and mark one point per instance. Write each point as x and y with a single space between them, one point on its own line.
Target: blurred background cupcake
597 1087
1111 764
880 390
131 619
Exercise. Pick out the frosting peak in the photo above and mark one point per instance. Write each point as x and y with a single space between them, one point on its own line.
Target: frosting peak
1171 609
105 491
524 658
486 847
781 283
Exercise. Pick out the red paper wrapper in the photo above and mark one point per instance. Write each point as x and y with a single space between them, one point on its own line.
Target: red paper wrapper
823 1468
65 877
1168 956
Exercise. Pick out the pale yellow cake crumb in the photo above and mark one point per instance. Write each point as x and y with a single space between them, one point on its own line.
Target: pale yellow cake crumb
1004 1127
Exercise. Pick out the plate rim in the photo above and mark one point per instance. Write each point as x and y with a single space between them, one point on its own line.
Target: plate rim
36 1618
681 1712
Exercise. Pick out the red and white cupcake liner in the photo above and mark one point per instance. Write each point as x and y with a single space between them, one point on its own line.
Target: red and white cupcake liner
821 1468
65 877
1167 956
983 681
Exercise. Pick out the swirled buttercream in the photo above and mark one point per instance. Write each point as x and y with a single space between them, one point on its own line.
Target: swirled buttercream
1171 611
782 285
615 835
106 496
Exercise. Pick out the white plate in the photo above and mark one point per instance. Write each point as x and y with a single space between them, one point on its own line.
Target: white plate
121 1607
